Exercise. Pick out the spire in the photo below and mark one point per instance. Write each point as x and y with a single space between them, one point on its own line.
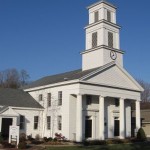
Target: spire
102 36
102 1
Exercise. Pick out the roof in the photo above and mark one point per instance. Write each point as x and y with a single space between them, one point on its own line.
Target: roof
145 105
78 75
17 98
67 76
3 108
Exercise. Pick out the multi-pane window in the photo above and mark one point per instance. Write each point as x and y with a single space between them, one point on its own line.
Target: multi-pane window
36 121
59 98
94 39
40 97
22 122
108 16
96 16
116 102
48 122
88 99
59 122
110 39
48 99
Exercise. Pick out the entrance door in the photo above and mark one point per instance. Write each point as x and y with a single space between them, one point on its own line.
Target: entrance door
6 122
116 128
88 128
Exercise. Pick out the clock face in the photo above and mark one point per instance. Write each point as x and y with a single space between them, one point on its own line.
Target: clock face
113 55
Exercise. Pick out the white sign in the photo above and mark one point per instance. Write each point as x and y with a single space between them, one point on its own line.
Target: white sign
14 134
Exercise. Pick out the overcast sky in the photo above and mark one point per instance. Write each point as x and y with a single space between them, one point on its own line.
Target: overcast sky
46 37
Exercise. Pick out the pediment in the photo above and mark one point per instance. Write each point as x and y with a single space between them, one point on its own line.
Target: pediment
9 112
114 76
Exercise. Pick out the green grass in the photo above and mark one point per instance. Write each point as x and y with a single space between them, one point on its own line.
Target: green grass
137 146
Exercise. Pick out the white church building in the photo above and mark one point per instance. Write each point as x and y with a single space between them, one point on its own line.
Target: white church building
93 102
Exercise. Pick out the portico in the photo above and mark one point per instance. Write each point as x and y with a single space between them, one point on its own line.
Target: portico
120 112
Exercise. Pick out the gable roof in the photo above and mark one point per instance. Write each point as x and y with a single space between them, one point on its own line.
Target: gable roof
17 98
84 76
67 76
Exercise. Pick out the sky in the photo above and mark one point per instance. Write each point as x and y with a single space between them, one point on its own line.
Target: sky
45 37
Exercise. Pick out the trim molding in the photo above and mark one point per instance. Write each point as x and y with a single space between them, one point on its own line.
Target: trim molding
100 47
103 21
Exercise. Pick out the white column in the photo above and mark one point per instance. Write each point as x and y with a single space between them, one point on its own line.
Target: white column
138 118
122 119
101 118
79 118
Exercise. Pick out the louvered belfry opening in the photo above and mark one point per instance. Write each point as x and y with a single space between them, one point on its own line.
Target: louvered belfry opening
96 16
110 39
94 40
108 16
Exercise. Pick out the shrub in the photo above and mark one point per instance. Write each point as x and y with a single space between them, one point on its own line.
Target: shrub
7 145
141 135
22 145
29 137
22 137
55 140
60 137
94 142
110 141
36 142
118 141
45 139
50 139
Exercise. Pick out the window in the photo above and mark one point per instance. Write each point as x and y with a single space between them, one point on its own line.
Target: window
88 99
96 16
48 122
94 40
49 99
40 97
59 122
116 102
22 122
108 16
59 98
36 120
110 39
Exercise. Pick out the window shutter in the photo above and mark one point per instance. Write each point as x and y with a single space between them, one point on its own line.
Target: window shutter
108 16
110 39
94 40
48 122
36 120
49 99
59 122
96 16
40 97
59 98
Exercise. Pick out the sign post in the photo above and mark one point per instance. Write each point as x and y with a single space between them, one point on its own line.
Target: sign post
14 134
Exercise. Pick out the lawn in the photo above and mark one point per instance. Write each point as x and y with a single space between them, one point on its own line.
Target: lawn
136 146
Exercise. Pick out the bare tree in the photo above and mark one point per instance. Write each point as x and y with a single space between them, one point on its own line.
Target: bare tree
12 78
146 94
24 76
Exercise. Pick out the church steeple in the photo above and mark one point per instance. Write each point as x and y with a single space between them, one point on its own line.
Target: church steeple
102 36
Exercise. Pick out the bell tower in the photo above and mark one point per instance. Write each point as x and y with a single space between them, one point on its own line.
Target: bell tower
102 37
